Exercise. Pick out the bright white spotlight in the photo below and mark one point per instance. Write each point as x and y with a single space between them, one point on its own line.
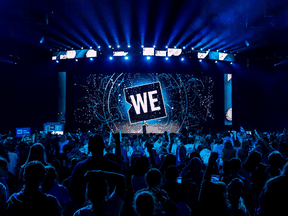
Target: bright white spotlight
217 50
90 47
216 61
91 59
184 47
57 61
99 47
166 58
126 57
111 58
81 47
231 63
182 59
142 46
224 51
148 57
200 60
109 46
201 49
76 60
192 48
175 47
154 46
118 46
128 46
166 47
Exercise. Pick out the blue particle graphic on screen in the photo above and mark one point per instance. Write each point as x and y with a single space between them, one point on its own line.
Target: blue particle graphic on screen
146 102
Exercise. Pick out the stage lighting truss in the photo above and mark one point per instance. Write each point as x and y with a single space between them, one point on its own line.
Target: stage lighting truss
144 51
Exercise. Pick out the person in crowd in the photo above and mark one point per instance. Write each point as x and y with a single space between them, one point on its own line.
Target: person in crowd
194 171
236 202
4 176
141 167
37 152
228 151
100 201
51 186
97 161
226 172
169 160
243 152
170 185
212 194
250 166
31 200
144 203
275 161
274 196
13 157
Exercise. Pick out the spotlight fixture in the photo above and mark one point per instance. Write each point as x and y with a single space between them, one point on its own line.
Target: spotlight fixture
57 61
148 57
90 47
76 60
81 47
184 47
154 46
142 46
216 61
200 60
201 49
166 58
99 47
91 59
182 59
109 46
231 63
192 48
128 46
166 47
111 58
175 47
126 57
118 46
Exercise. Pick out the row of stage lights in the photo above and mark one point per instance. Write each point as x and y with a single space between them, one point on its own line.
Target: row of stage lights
148 58
142 46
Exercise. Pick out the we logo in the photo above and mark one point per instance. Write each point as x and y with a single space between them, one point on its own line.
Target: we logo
146 102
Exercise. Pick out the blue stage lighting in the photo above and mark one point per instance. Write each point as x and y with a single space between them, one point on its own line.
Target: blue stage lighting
182 59
217 50
76 60
200 60
175 47
166 47
109 46
99 47
81 47
224 51
166 58
128 46
126 57
90 47
231 63
148 57
216 61
184 47
91 59
111 58
201 49
118 46
142 46
154 46
57 61
192 48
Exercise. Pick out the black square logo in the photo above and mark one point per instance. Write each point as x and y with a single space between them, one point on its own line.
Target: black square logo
146 102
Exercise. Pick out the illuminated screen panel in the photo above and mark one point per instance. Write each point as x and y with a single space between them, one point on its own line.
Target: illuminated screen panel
228 99
123 101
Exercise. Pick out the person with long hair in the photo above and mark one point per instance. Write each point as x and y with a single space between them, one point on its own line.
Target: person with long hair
36 153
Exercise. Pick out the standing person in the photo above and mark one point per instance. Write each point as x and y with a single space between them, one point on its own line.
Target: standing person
31 200
144 127
101 202
97 161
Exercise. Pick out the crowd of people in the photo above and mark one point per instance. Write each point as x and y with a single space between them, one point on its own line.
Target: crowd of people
104 173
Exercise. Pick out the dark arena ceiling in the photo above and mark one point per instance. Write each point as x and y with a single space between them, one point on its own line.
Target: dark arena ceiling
247 27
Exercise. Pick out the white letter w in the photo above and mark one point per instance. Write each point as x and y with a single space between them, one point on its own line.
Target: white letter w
140 102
